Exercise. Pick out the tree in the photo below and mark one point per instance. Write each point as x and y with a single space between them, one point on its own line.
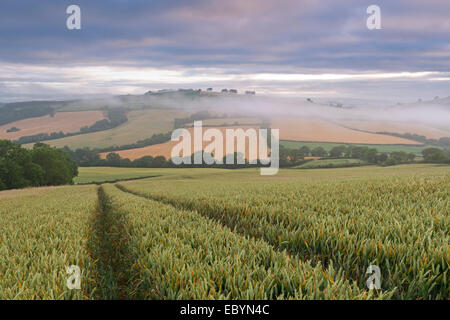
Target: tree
58 168
389 162
113 159
20 168
143 162
336 152
319 152
297 155
305 151
85 156
428 151
355 152
369 155
17 168
2 185
126 163
159 161
399 156
438 156
444 141
382 157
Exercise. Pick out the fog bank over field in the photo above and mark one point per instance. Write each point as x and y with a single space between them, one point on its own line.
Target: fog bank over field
434 113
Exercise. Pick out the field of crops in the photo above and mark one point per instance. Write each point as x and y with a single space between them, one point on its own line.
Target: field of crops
168 253
165 149
141 124
322 130
42 232
60 121
232 234
330 163
109 174
400 223
329 145
98 175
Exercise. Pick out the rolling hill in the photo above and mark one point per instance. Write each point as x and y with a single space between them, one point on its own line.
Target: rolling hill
66 122
321 130
141 124
396 127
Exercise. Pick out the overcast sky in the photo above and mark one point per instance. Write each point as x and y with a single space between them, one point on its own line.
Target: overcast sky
305 48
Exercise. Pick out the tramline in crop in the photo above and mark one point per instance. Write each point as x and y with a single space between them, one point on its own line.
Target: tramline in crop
398 223
178 254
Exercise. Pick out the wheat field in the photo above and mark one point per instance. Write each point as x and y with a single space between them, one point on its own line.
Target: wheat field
302 234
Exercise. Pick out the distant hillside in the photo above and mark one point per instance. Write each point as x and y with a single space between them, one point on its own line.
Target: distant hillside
58 122
141 124
395 127
436 101
299 119
21 110
163 99
321 130
445 101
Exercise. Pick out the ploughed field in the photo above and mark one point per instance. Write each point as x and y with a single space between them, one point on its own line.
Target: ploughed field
232 234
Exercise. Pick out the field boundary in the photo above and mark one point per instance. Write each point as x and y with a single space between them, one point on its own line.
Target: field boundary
358 144
117 180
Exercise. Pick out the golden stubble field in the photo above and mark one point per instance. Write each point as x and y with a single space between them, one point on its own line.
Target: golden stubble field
396 127
62 121
321 130
292 129
141 124
165 149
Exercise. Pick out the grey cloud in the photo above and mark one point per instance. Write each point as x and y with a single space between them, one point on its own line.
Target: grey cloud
229 37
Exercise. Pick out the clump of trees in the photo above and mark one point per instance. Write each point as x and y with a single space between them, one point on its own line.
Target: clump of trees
157 138
114 160
441 142
12 129
86 157
41 137
41 166
11 112
116 117
436 155
294 157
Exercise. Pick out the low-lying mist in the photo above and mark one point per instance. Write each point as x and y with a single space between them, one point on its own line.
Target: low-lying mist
431 113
